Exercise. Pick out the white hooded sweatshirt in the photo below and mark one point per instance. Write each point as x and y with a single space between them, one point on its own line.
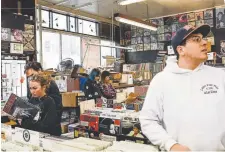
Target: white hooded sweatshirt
186 107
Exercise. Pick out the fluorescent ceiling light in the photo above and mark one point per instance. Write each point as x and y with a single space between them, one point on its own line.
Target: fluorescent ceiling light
135 22
127 2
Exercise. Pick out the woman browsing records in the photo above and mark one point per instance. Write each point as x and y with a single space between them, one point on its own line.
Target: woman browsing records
46 121
107 89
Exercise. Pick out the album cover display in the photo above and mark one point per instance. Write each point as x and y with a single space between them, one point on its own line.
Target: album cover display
28 38
140 32
139 47
133 33
192 23
199 23
19 108
147 40
160 30
161 37
139 40
110 123
133 41
220 18
168 36
154 46
6 34
147 47
208 14
167 28
191 17
16 48
147 32
199 16
160 46
181 18
5 47
90 122
209 22
16 35
158 21
153 38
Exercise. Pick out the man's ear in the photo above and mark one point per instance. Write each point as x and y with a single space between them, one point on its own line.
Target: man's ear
180 50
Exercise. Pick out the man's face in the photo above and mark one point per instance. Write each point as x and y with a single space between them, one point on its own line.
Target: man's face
31 72
195 48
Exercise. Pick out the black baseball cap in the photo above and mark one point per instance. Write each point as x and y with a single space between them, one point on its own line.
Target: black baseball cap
187 30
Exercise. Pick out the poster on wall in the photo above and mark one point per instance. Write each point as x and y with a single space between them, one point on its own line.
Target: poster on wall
198 16
154 46
167 28
168 36
153 38
6 34
16 35
140 32
147 32
133 33
139 47
133 41
160 46
182 18
222 49
160 30
16 48
28 38
147 40
199 23
220 17
191 17
158 21
208 14
161 37
192 23
147 47
209 22
139 40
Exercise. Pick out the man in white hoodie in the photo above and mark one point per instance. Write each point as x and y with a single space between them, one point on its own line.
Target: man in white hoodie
184 108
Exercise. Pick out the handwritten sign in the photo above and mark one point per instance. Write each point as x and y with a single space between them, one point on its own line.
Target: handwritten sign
27 137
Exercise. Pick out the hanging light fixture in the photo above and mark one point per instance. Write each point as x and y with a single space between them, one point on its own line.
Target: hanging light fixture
135 22
127 2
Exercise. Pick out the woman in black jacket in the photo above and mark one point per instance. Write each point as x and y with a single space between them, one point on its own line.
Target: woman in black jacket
91 86
33 68
47 120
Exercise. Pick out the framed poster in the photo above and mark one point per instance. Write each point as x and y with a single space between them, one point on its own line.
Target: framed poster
208 14
220 18
198 16
191 17
199 23
153 38
192 23
209 22
6 34
16 35
158 21
168 36
167 28
16 48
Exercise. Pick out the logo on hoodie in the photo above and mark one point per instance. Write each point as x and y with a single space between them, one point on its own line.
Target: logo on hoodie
209 88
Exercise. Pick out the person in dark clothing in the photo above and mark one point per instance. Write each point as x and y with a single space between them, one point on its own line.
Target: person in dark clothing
47 120
106 87
91 86
52 91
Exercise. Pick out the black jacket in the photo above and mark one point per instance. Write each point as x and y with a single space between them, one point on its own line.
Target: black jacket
47 122
53 92
91 89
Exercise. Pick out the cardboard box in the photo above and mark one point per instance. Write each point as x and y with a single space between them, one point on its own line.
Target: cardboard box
69 99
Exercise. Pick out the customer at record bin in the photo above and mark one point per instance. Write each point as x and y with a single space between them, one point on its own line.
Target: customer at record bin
91 86
32 68
107 89
184 108
47 121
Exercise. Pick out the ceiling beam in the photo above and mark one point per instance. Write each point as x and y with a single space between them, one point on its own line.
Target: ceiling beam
76 12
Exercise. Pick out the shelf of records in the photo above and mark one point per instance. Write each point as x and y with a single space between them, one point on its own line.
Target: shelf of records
143 39
15 41
26 140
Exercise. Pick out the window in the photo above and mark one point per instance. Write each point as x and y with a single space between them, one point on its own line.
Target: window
72 24
87 27
45 18
59 21
91 53
71 48
50 49
106 51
